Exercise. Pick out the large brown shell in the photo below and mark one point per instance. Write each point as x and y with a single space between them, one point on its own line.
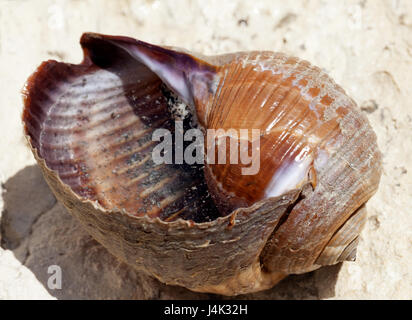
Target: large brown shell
90 128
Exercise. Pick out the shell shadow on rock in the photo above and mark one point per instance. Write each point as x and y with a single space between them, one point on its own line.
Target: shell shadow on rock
204 227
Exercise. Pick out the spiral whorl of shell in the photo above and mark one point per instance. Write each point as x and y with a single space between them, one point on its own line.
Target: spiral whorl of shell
313 135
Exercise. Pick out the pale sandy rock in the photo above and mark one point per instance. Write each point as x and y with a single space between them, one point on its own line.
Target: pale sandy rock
365 45
17 281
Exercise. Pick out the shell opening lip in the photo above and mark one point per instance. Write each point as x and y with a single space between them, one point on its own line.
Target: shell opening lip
177 70
91 145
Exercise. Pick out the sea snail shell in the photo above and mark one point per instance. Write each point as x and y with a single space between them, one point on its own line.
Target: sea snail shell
214 230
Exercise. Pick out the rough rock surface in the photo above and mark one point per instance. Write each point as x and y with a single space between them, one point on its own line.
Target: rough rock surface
365 45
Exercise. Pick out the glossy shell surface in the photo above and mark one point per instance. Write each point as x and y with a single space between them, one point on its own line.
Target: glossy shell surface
207 228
